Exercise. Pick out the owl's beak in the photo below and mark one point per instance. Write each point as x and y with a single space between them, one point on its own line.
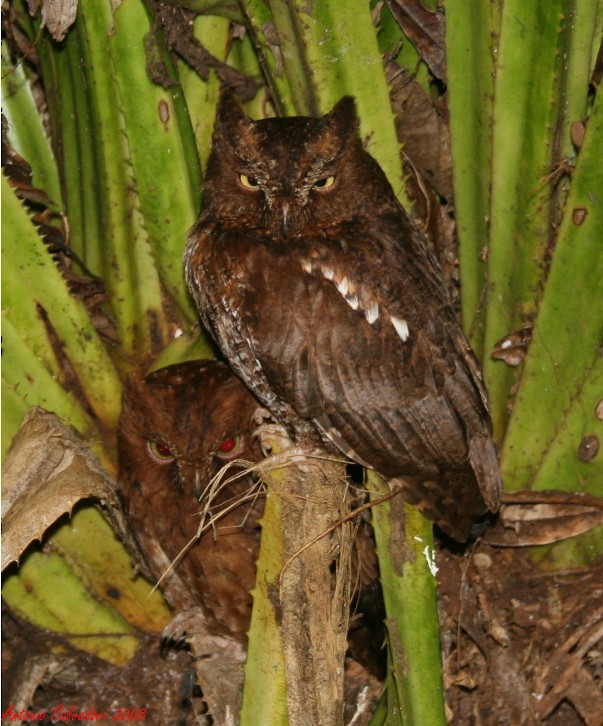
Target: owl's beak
199 480
194 479
286 219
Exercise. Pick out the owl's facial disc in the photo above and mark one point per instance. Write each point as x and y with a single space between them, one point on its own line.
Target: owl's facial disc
280 207
288 205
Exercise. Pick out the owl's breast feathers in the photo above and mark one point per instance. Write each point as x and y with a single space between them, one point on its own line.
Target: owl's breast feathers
351 327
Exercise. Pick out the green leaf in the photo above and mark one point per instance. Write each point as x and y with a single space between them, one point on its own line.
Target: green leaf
127 225
161 149
90 548
265 666
28 381
25 129
31 284
562 380
122 250
49 594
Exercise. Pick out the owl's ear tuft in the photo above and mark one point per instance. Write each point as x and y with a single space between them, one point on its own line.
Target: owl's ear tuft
231 121
344 116
133 385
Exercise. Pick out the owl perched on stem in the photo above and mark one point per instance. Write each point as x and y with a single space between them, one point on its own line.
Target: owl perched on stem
325 299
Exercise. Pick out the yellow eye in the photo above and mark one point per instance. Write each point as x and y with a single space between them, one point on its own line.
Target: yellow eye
324 183
160 452
248 182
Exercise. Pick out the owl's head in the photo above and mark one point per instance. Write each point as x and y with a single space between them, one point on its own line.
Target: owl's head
180 424
278 175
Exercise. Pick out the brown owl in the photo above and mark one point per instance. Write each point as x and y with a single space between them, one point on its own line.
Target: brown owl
327 302
178 427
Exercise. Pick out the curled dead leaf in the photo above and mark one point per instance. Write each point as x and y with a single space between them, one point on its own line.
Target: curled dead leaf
535 518
47 471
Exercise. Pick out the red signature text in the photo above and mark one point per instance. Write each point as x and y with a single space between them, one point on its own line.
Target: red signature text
64 713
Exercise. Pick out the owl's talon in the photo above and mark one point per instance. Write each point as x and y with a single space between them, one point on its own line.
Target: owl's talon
174 640
272 436
258 417
180 628
268 432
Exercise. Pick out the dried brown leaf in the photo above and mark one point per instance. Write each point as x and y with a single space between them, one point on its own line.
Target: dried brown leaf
58 16
535 518
47 471
567 663
177 25
425 30
421 128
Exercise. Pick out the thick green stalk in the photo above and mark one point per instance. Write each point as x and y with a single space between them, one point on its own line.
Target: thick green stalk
470 33
201 96
298 634
524 122
117 135
405 549
292 48
265 667
223 8
123 245
585 21
73 144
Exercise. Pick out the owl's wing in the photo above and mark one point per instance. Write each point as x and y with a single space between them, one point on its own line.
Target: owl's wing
376 359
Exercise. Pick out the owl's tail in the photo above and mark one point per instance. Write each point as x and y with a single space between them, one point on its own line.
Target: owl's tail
459 500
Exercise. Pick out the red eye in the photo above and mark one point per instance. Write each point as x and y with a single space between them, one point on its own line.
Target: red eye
229 447
160 452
